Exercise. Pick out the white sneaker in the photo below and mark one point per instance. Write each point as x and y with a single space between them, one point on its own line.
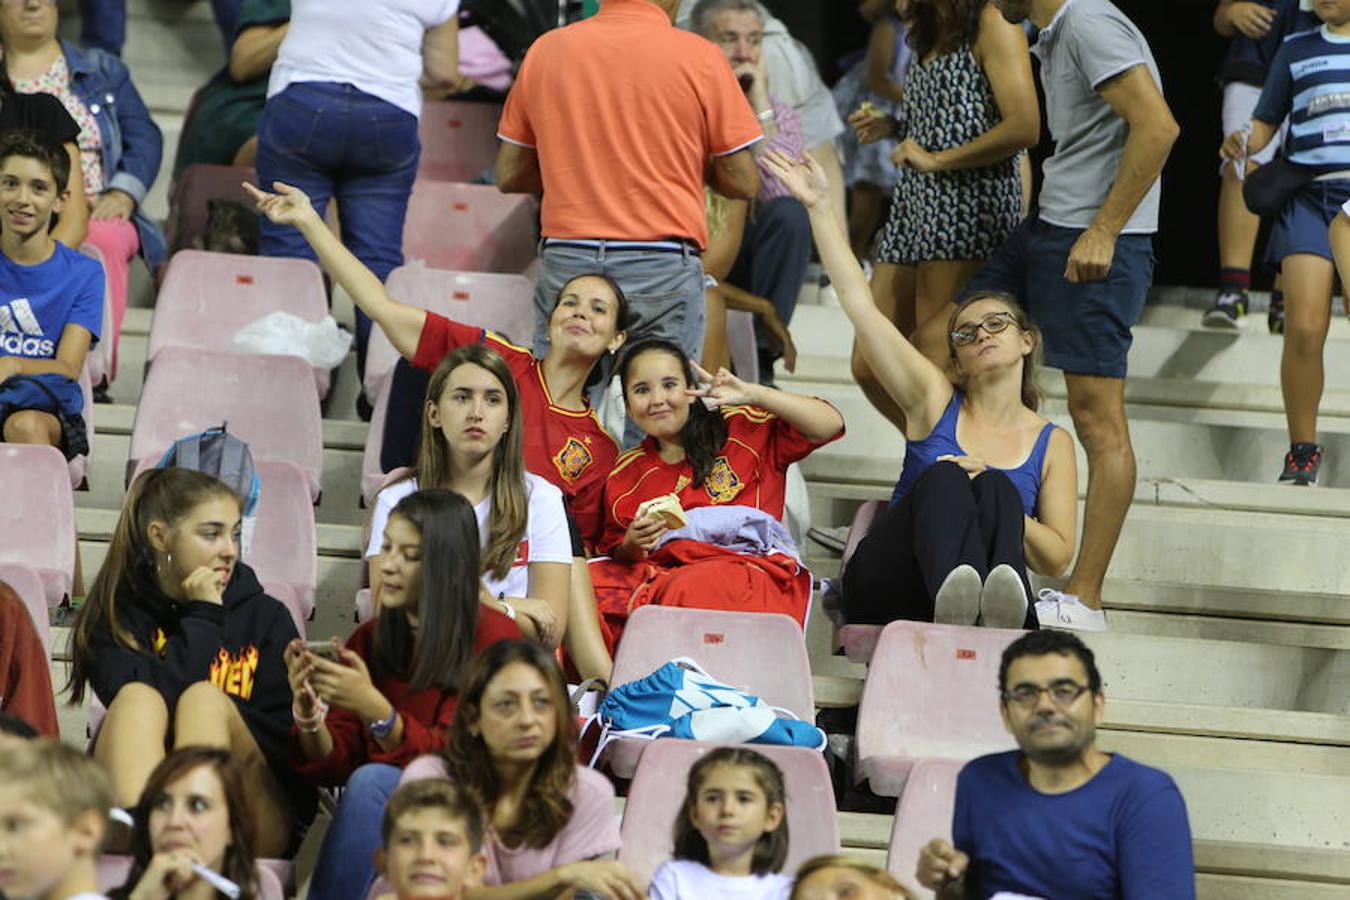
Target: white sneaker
1056 609
1003 601
958 600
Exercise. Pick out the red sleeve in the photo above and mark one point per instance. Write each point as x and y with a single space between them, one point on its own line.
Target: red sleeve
439 336
789 445
627 471
418 737
493 627
514 125
731 123
25 679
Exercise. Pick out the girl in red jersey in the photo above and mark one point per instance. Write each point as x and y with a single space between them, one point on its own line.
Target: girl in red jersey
564 441
728 446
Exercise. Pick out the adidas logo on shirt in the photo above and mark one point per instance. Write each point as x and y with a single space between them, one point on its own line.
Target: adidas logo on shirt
20 332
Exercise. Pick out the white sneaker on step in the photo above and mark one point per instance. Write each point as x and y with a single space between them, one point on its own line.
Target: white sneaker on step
1056 609
958 599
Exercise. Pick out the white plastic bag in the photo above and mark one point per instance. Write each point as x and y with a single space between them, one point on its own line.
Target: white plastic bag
321 344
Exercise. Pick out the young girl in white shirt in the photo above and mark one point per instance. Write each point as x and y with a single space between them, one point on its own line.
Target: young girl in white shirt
731 835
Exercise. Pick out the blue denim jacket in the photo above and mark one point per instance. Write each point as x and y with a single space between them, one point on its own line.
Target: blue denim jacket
132 144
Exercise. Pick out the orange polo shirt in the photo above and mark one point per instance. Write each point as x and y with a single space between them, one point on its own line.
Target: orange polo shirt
625 111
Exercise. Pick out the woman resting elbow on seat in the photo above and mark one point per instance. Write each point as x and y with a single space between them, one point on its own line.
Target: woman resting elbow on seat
723 451
988 485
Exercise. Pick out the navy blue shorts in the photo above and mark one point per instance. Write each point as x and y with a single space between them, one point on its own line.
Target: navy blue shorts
1302 226
1085 328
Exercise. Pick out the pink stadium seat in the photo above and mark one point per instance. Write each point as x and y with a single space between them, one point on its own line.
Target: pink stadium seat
923 813
372 479
195 186
470 228
459 140
741 341
113 872
763 653
284 549
930 692
37 518
269 401
28 585
858 641
102 358
503 303
658 789
206 298
364 607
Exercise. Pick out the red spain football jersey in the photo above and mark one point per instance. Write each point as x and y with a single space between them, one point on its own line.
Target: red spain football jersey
751 470
570 449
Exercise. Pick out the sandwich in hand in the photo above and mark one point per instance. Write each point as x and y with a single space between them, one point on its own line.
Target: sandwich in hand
667 507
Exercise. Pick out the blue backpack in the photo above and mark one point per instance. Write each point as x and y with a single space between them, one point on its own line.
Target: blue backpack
682 700
224 456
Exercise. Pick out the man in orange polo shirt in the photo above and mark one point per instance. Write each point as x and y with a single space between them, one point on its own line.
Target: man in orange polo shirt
619 120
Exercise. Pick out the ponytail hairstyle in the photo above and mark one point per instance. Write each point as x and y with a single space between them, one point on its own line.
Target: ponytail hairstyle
623 320
239 864
1031 363
771 849
705 431
510 506
446 592
128 571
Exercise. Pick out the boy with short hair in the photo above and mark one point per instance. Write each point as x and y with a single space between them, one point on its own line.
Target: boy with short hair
432 837
54 802
51 297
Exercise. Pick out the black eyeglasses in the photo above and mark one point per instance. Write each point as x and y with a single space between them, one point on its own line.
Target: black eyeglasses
992 323
1063 693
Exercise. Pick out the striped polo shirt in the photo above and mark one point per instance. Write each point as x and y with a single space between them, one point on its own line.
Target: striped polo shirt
1309 81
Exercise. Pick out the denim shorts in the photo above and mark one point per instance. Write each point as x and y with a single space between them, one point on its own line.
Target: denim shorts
1302 226
1085 328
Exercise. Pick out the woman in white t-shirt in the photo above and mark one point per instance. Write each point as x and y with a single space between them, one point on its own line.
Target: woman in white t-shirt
471 444
341 117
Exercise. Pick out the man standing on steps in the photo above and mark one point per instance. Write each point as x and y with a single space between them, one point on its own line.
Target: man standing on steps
1083 263
620 119
1057 817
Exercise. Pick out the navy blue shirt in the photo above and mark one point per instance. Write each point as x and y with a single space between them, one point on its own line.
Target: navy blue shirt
1248 60
1309 82
1121 836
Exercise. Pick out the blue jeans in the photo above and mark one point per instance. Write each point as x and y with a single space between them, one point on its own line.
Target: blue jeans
664 290
346 864
332 140
103 23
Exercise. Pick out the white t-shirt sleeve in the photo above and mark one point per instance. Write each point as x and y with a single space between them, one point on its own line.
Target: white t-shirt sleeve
664 886
550 539
385 502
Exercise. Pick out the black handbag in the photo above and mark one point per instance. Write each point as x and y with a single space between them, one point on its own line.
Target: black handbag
21 392
1268 189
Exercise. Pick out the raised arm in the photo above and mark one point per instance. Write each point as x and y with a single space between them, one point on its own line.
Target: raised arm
918 386
813 417
401 323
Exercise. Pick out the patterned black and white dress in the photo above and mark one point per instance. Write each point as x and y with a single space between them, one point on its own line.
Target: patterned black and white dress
962 214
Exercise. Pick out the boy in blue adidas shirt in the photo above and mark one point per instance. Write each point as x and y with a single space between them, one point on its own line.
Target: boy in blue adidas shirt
1309 80
51 297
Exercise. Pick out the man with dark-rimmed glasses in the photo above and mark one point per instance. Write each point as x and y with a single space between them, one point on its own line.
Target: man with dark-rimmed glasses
1059 818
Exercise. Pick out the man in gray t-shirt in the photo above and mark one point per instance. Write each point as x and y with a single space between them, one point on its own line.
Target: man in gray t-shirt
1083 264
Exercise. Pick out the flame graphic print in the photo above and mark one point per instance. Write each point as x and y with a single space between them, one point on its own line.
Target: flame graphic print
233 673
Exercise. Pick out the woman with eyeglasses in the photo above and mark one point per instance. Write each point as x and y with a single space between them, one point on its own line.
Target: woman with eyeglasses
989 488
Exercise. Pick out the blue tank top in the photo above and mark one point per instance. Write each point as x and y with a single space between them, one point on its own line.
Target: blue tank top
941 441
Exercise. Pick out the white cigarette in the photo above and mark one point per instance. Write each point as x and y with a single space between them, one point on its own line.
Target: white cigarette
219 882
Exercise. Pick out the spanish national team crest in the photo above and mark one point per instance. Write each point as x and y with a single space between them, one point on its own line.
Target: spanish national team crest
573 459
723 484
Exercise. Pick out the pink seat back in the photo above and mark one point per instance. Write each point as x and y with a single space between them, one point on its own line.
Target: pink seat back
923 813
268 401
288 595
194 187
470 228
459 139
28 585
501 303
931 691
37 517
101 358
658 791
372 478
206 298
763 653
741 342
285 546
862 523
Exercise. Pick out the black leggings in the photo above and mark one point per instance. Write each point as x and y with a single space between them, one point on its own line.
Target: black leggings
946 519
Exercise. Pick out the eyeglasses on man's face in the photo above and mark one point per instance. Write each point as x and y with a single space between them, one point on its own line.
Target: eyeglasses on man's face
993 323
1062 693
